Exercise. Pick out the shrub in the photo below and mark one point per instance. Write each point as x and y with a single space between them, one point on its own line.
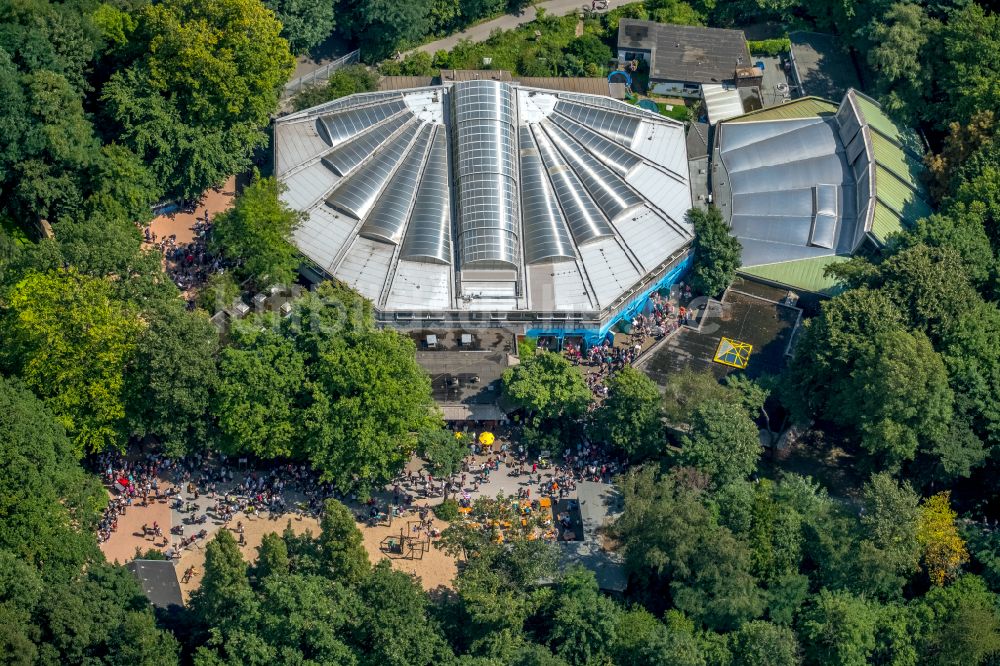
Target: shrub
770 47
447 510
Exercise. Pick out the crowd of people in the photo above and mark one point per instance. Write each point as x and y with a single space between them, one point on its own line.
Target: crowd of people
207 487
135 483
190 264
204 487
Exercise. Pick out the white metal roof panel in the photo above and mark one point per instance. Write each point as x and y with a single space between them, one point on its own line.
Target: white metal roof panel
365 267
651 238
558 287
322 234
309 186
666 193
296 144
663 144
609 269
419 285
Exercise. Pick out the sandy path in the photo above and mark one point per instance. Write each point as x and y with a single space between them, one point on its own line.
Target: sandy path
254 530
122 544
180 223
434 570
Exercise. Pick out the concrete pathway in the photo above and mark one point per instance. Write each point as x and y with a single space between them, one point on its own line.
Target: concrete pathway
482 31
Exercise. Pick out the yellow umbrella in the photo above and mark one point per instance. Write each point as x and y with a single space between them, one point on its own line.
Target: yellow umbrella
486 439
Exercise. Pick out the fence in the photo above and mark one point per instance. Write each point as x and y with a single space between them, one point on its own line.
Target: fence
320 74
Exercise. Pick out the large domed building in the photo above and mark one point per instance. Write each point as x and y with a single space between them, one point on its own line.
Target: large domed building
484 201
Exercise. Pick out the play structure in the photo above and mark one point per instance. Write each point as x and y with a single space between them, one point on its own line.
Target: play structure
621 76
734 353
406 546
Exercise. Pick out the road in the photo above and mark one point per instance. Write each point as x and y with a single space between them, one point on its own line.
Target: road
482 31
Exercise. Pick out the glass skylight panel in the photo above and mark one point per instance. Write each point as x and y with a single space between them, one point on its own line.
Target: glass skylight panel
604 149
428 235
586 221
608 190
544 229
388 217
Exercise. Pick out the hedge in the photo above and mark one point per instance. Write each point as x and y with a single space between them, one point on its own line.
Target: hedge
770 47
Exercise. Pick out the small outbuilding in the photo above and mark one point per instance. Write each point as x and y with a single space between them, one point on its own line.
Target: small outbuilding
158 579
683 57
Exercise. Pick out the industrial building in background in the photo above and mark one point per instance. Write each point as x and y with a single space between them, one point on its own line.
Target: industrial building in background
483 202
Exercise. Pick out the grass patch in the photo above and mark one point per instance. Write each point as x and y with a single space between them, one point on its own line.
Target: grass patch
678 112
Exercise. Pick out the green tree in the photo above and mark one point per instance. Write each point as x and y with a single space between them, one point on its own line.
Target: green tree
922 282
962 230
222 60
219 292
173 377
498 592
71 342
304 23
256 234
206 77
896 42
590 50
387 25
716 252
641 639
48 505
303 619
272 557
832 345
345 81
375 401
963 626
760 643
583 621
443 452
888 551
672 540
341 544
723 442
862 370
224 601
123 189
631 417
838 629
393 626
547 386
903 399
684 391
966 78
260 394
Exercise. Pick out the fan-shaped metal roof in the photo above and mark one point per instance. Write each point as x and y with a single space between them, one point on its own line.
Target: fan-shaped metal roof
483 195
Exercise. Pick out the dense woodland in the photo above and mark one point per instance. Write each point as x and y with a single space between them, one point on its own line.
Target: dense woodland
111 107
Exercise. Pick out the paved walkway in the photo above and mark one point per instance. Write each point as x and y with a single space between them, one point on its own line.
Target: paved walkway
482 31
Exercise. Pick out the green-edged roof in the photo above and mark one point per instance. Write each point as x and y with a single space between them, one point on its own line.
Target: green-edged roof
806 107
885 222
879 121
802 274
901 162
901 198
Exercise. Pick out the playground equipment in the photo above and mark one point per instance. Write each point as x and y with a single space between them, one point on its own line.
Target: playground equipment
406 546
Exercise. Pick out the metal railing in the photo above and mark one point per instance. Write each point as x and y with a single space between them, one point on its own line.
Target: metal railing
320 74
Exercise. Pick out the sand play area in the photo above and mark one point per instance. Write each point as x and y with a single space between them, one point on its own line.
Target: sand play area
435 568
180 224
